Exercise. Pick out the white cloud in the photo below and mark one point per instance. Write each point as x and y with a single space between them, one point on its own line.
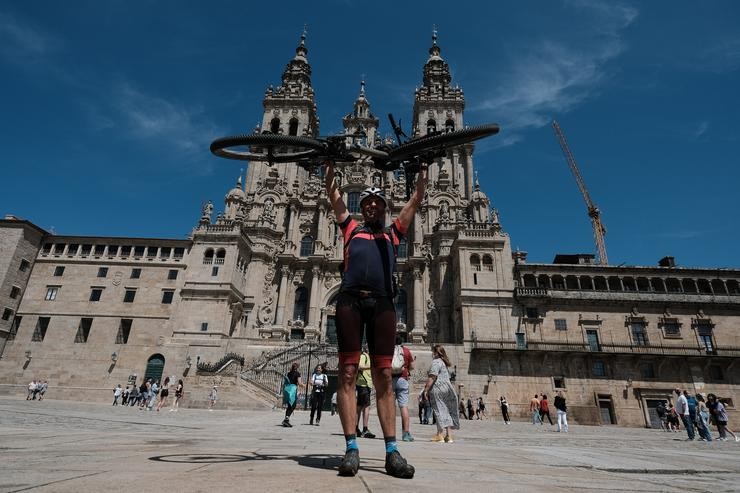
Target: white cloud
21 42
148 117
556 75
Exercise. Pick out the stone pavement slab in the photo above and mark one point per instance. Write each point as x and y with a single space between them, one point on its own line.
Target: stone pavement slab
70 446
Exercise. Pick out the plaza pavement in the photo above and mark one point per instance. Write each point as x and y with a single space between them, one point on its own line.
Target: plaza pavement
62 446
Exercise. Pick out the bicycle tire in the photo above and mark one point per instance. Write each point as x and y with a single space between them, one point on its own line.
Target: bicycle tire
222 147
450 139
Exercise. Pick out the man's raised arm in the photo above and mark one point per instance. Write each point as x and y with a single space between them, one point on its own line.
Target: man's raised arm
406 217
334 195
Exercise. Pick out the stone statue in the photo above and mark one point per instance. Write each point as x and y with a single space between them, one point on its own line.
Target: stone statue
207 210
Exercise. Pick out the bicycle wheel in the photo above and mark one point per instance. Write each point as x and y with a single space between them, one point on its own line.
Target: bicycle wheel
266 147
421 145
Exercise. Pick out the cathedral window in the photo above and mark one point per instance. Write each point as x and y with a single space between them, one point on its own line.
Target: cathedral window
15 291
475 262
7 313
208 256
293 127
172 274
488 263
558 282
95 294
129 296
125 251
51 293
102 271
689 286
401 306
275 125
167 296
449 126
300 307
306 246
639 334
40 331
99 250
732 287
59 271
138 250
353 202
431 126
179 252
571 282
718 287
220 256
135 273
403 248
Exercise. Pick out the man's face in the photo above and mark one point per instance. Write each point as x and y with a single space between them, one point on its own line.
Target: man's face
373 209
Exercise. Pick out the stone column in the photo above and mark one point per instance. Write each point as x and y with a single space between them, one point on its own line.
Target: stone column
314 296
282 295
418 301
293 212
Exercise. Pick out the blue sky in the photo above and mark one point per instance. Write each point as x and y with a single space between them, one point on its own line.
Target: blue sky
107 109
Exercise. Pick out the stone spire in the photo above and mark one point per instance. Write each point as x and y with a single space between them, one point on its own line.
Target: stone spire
438 105
361 119
290 108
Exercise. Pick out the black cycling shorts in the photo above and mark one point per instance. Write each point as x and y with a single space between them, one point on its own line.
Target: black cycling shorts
376 317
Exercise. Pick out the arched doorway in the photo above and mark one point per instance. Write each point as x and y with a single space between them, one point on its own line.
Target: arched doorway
154 368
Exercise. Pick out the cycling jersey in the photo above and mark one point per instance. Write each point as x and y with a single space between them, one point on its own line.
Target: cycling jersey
370 257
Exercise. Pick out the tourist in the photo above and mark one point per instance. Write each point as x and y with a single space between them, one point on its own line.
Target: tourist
31 390
319 381
364 387
333 403
291 382
717 408
401 385
164 393
117 394
366 300
682 410
442 395
425 409
124 396
562 410
42 389
504 409
702 419
153 393
471 411
212 397
480 412
133 397
545 410
534 408
178 395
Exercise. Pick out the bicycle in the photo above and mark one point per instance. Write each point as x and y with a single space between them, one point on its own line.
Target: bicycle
309 152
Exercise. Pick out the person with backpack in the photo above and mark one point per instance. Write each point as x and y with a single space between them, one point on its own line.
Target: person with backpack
365 304
319 381
402 363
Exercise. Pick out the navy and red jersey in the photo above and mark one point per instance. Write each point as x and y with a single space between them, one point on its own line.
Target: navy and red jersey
370 257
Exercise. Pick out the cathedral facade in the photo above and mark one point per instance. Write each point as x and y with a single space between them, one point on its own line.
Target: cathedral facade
88 312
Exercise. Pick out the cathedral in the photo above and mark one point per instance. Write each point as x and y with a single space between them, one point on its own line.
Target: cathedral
261 277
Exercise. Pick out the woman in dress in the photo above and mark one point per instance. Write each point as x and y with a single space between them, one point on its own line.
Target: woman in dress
720 417
290 392
442 396
164 393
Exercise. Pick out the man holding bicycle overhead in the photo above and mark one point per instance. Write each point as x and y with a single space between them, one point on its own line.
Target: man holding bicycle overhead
365 302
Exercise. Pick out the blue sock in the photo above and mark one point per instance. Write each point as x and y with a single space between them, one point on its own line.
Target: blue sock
351 442
390 444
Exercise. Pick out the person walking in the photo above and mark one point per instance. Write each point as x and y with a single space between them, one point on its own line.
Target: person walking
717 409
363 388
442 395
562 410
212 397
682 410
545 410
425 409
178 395
42 389
117 394
504 409
402 357
291 383
163 394
702 418
480 412
365 304
318 383
31 390
153 393
333 403
534 408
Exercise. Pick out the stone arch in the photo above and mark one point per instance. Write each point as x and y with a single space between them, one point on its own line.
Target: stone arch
154 367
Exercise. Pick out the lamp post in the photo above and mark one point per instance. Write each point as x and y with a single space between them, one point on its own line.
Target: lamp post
308 375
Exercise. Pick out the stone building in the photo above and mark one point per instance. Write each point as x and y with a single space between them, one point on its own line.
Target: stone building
90 312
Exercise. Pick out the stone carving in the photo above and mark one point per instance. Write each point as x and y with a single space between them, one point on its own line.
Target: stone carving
206 212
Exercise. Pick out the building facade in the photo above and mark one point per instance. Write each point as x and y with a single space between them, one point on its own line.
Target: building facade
88 312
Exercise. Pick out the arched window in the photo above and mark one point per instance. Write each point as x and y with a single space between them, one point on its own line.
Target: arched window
586 283
293 126
488 263
208 256
558 282
220 256
353 202
475 262
449 125
154 368
275 125
543 281
300 308
403 248
529 281
401 306
431 126
307 246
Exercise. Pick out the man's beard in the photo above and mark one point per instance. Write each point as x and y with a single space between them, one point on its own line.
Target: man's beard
374 223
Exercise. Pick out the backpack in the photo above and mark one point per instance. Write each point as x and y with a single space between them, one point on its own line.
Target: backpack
691 401
399 361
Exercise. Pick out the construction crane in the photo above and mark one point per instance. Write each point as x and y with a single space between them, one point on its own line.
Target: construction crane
593 211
